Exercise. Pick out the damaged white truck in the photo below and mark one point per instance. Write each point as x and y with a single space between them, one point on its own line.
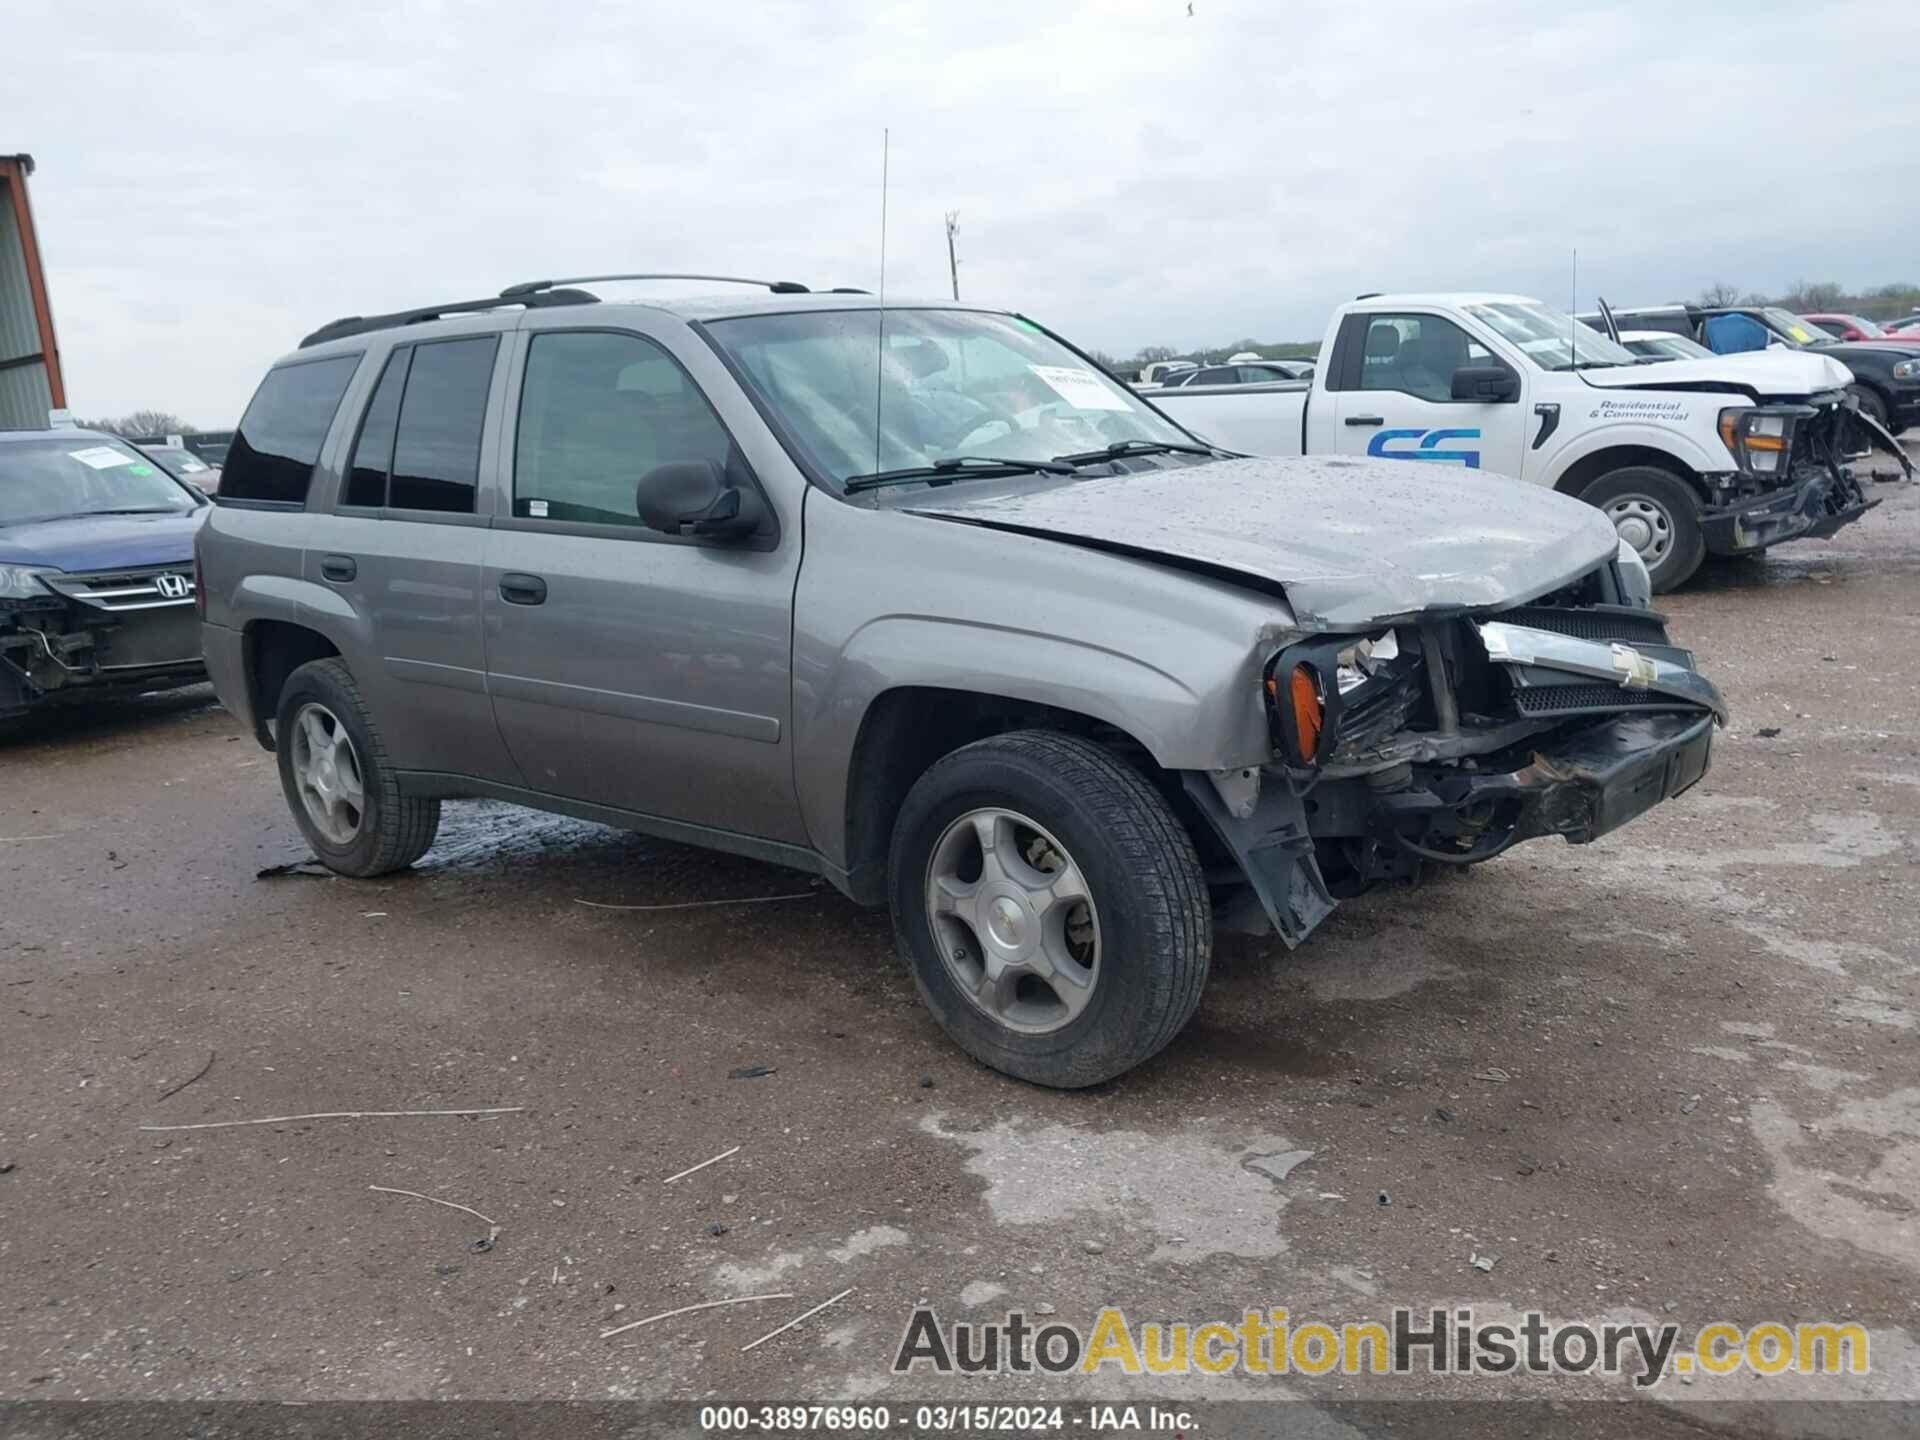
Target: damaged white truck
939 612
1724 455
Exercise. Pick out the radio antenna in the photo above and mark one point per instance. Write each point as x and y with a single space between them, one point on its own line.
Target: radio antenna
1573 309
880 329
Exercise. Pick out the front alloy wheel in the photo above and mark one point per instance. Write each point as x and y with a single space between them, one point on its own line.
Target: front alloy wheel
1050 906
1014 921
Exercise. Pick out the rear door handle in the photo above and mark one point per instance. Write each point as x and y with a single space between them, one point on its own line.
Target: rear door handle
518 589
338 567
1366 420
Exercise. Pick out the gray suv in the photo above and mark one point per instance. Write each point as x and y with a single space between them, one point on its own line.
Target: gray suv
919 599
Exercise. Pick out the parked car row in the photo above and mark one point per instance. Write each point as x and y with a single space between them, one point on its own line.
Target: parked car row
1687 454
1883 372
1066 675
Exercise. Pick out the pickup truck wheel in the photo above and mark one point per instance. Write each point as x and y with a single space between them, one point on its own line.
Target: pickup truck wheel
1658 516
337 779
1050 906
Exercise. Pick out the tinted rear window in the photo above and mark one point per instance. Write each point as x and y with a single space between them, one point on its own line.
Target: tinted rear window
273 455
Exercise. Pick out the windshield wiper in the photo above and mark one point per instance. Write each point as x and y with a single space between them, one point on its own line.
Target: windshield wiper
1134 447
949 470
143 510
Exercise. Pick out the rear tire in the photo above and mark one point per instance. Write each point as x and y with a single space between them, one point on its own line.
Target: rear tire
1133 939
337 778
1658 515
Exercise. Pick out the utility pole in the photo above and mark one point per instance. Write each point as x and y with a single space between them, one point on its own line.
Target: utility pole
953 265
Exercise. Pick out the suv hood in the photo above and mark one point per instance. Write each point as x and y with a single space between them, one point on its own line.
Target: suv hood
85 543
1762 373
1353 542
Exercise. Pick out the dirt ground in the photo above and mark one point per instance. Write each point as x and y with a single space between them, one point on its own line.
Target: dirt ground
1672 1075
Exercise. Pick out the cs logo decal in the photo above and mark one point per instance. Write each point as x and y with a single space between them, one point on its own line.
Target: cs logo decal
1428 448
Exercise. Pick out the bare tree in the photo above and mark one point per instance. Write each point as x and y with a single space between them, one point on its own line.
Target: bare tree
144 422
1720 295
1815 295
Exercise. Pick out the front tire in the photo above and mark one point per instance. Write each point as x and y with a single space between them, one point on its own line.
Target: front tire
1050 906
1870 403
1658 515
338 781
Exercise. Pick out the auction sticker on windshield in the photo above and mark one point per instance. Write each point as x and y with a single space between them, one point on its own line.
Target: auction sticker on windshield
100 457
1081 389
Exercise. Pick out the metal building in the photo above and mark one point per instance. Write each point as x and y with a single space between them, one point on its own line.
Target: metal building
30 383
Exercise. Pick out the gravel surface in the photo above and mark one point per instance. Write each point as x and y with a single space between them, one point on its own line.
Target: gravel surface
1672 1075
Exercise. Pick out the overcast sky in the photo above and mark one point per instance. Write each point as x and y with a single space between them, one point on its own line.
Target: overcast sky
215 179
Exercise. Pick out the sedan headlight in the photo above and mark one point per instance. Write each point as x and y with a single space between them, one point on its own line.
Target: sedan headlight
1636 585
1907 370
22 582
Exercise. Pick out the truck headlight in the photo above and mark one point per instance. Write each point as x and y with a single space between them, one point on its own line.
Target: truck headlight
1759 438
1636 585
1907 370
22 582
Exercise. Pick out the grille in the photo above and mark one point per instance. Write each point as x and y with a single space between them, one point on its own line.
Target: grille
1538 700
124 590
1637 627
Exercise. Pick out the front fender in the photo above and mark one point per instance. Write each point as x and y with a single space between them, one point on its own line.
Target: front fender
1676 439
888 601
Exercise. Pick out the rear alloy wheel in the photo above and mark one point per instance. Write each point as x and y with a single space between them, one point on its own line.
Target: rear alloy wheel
1050 906
326 772
339 784
1656 514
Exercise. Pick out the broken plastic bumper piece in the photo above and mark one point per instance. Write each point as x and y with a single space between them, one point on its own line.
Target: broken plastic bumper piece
1546 657
1816 507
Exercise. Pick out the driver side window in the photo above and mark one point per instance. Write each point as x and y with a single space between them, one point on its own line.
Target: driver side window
1416 355
597 411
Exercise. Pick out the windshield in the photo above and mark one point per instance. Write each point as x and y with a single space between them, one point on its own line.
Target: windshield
1551 340
178 462
1670 347
953 383
1801 332
82 475
1865 326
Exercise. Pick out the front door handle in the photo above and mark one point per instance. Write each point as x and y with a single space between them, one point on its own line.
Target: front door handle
1366 420
518 589
338 567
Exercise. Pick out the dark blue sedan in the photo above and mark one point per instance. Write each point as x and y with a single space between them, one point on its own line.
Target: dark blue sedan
96 571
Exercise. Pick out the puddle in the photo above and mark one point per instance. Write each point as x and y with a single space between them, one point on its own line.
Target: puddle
1193 1193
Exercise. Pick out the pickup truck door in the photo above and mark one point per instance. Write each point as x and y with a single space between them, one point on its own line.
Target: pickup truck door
1391 388
630 668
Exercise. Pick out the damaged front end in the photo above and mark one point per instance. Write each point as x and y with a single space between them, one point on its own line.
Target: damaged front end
1795 478
1448 739
73 637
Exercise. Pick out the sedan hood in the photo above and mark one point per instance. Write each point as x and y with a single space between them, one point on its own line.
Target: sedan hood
1353 542
86 543
1764 373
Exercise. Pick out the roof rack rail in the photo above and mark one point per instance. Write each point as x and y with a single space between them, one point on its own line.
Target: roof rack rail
362 324
535 287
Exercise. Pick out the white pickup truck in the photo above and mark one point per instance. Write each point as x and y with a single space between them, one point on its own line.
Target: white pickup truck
1727 455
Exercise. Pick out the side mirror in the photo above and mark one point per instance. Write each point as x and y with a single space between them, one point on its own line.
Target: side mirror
1488 384
695 497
